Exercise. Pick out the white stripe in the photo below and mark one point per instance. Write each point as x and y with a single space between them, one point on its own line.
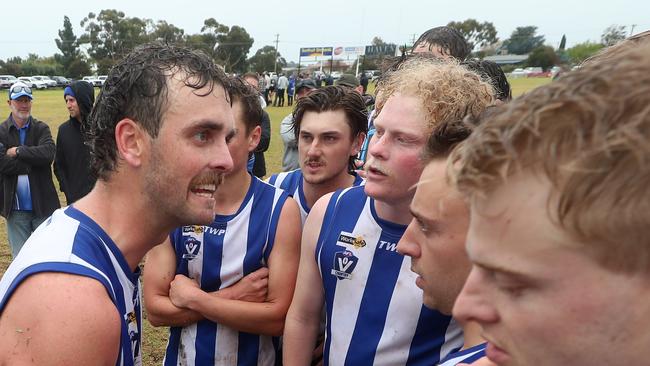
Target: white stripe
348 293
401 319
234 249
453 339
186 349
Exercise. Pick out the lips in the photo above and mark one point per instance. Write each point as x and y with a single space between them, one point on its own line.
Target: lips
206 186
496 354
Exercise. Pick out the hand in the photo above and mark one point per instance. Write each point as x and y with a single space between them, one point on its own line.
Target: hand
11 152
358 164
181 290
253 287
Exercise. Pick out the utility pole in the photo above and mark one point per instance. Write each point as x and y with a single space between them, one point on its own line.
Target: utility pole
413 39
632 29
275 66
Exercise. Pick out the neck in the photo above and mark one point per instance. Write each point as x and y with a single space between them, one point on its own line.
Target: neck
396 212
122 220
19 121
315 191
472 335
232 192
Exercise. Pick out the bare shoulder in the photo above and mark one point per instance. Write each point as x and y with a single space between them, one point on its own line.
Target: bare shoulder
58 318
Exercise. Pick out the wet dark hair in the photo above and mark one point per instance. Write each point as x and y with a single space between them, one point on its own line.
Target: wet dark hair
334 98
450 40
493 73
137 88
242 92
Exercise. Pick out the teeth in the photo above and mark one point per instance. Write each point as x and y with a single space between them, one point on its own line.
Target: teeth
207 195
207 187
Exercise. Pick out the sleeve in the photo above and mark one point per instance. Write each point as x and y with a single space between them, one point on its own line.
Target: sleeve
9 165
41 154
59 161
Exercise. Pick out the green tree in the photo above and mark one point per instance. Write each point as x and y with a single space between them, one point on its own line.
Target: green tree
78 69
475 33
264 60
613 34
543 56
67 44
523 40
583 51
111 35
167 33
232 49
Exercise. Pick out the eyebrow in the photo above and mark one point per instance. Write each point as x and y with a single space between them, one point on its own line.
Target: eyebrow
502 270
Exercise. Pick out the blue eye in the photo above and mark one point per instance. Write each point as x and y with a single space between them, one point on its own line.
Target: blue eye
201 136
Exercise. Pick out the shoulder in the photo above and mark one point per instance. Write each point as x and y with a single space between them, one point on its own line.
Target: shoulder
65 315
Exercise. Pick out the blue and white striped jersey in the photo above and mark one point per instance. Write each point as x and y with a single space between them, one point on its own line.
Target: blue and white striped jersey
375 314
465 356
218 256
292 182
71 242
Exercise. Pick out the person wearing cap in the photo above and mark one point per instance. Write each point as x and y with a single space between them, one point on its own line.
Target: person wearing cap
290 155
72 160
26 153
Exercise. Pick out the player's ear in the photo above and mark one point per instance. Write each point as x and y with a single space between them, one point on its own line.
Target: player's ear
357 143
254 138
131 141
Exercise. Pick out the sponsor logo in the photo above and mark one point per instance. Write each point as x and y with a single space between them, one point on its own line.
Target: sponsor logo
344 264
193 229
215 231
192 247
350 239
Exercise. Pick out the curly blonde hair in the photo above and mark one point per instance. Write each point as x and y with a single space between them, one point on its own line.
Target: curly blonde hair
447 91
589 134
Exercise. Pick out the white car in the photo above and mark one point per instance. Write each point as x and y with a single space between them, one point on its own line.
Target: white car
6 81
93 80
518 73
49 82
33 83
102 79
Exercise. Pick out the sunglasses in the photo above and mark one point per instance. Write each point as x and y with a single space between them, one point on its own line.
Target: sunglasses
20 88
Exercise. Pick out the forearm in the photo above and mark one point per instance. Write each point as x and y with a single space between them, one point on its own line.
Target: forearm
250 317
299 339
161 312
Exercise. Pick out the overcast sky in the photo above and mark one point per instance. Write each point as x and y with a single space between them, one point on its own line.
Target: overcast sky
31 26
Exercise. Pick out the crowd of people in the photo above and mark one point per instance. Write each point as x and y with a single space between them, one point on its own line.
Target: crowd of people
437 222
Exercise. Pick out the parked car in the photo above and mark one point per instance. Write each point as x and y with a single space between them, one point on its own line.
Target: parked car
61 81
102 78
336 75
518 73
49 82
33 82
93 80
6 81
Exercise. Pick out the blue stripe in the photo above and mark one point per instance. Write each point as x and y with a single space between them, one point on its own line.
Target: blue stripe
206 336
425 347
373 309
273 226
248 351
171 354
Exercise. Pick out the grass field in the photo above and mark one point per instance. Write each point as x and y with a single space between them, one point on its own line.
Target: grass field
49 106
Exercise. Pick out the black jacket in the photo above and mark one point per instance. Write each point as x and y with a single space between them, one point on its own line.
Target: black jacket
34 159
72 161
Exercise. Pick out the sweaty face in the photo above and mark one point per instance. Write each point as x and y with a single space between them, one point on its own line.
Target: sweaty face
73 107
539 298
21 108
435 238
190 155
394 163
325 145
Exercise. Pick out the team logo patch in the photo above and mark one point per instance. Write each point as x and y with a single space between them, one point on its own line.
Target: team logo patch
192 247
193 229
350 239
344 263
